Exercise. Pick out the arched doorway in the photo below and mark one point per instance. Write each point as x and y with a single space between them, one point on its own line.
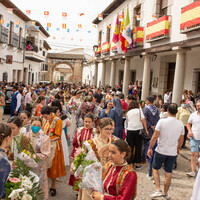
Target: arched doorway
63 73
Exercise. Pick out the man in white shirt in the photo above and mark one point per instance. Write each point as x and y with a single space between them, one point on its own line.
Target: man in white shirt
170 134
193 126
167 97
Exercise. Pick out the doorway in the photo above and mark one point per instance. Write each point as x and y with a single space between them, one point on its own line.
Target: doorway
171 71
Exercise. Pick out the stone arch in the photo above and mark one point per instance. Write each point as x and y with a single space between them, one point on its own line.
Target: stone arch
55 64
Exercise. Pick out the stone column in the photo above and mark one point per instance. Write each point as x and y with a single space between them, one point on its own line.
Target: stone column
112 73
146 77
103 73
95 73
126 78
179 76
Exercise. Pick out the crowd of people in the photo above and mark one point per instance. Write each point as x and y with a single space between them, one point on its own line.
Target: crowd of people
123 132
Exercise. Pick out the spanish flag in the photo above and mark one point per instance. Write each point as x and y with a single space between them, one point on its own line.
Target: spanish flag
46 13
28 12
48 25
79 25
64 26
190 15
64 14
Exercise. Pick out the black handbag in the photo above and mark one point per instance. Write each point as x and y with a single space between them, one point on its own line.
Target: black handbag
142 132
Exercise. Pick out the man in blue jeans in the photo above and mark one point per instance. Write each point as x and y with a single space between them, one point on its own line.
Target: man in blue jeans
170 134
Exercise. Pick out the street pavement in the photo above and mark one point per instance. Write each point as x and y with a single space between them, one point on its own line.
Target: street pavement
181 186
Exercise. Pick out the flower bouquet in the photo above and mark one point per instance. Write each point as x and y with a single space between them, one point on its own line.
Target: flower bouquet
26 152
22 184
87 169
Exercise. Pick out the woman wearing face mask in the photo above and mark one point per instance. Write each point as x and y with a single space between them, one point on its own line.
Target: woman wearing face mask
6 137
42 147
100 146
25 116
183 115
119 179
16 124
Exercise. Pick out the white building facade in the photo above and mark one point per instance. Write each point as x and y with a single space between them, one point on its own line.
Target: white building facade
166 47
17 62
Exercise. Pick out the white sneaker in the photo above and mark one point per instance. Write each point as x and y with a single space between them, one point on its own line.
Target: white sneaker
156 194
150 177
191 174
166 197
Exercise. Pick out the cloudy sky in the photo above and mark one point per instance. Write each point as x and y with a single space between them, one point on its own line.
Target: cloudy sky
60 39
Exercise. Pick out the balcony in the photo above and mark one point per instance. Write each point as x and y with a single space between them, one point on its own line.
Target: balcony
158 29
105 49
3 35
32 53
138 36
190 17
14 39
98 53
22 43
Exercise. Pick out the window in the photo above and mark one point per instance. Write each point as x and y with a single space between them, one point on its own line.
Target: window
11 30
163 7
136 15
20 35
108 33
99 38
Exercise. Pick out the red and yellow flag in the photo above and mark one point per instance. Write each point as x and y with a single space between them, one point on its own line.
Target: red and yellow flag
18 22
28 12
81 14
100 16
33 23
48 24
79 25
64 26
64 14
1 21
46 13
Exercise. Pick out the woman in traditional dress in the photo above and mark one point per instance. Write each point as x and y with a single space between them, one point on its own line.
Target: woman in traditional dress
6 137
2 104
42 146
53 128
100 146
82 134
119 178
16 124
57 113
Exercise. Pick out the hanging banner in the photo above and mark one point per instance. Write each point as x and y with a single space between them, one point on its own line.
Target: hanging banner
190 15
48 25
28 12
46 13
33 23
10 10
81 14
100 17
18 22
1 21
64 26
79 25
64 14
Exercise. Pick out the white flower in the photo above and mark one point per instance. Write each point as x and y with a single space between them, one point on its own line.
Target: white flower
15 194
26 183
26 197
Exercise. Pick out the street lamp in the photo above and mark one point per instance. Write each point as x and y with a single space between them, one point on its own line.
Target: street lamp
95 48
